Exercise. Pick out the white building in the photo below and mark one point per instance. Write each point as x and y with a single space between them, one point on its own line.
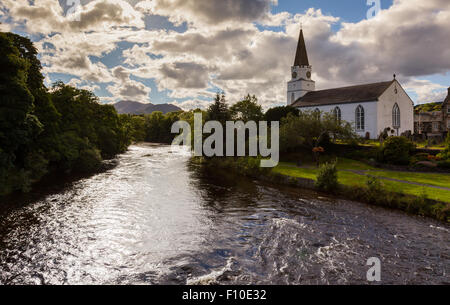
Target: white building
370 108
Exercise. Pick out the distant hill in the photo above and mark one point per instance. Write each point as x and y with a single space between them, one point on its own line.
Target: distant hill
428 107
130 107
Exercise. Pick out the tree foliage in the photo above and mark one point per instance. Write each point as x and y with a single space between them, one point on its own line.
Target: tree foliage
65 129
309 130
219 111
247 110
278 113
396 150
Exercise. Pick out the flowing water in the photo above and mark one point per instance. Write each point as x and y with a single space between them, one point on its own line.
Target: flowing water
157 219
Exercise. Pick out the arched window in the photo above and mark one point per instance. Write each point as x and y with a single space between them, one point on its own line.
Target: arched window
360 118
292 98
396 116
337 114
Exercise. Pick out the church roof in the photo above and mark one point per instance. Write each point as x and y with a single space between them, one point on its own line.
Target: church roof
344 95
301 57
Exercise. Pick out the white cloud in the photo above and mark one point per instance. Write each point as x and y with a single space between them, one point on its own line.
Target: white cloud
223 48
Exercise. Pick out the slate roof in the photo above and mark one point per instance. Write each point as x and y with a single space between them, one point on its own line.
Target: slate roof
353 94
301 56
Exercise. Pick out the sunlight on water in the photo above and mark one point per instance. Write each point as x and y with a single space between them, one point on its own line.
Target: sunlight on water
155 218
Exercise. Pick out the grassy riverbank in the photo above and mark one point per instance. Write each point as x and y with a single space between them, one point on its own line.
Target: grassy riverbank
416 193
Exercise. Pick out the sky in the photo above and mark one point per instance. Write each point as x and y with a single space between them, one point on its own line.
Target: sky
185 51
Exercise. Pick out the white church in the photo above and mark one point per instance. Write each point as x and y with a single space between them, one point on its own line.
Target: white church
371 108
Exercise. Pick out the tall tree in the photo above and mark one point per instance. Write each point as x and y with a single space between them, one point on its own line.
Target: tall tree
18 125
247 109
219 111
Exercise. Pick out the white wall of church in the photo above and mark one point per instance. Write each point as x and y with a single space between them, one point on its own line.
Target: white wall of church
386 104
348 114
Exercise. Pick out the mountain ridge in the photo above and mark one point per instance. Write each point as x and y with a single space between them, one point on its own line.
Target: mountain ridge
137 108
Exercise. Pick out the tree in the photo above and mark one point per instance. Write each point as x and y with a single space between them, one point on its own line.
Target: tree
18 125
219 111
278 113
308 130
247 110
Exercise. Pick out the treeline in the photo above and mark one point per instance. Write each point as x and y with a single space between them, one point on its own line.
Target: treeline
298 130
61 129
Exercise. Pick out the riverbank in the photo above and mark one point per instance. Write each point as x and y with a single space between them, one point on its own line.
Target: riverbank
411 197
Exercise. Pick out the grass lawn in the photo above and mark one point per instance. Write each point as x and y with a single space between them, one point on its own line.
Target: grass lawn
424 178
353 179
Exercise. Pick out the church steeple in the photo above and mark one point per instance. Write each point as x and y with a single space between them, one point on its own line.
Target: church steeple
301 58
301 82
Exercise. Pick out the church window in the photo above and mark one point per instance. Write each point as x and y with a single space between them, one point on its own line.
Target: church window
396 116
292 98
360 118
337 114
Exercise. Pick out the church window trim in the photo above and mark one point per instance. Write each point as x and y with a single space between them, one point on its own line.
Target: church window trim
396 118
360 118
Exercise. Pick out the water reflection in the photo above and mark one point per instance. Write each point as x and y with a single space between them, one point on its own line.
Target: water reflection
156 218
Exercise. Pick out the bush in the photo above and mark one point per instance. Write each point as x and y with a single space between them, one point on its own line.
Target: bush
396 150
327 178
444 164
421 157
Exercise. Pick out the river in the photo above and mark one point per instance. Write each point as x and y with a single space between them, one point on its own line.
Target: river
157 219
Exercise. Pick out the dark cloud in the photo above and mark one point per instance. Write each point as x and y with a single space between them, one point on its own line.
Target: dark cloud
186 74
215 11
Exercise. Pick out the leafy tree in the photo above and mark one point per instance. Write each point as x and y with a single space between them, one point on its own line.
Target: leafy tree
18 124
308 130
247 110
40 131
278 113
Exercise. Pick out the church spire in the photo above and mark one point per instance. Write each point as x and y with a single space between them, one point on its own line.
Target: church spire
301 58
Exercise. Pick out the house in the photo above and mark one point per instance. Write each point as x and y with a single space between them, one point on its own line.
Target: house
371 108
433 124
446 114
428 124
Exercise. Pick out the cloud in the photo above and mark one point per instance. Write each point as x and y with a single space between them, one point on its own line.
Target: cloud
47 16
210 12
224 48
426 91
125 88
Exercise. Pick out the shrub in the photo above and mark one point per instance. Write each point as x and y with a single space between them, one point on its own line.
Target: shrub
421 157
444 164
375 191
396 150
373 184
327 178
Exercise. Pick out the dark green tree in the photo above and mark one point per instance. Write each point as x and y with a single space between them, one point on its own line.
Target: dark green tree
247 109
219 111
278 113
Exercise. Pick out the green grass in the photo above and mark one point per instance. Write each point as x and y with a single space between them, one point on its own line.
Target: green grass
353 179
344 163
289 169
442 180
